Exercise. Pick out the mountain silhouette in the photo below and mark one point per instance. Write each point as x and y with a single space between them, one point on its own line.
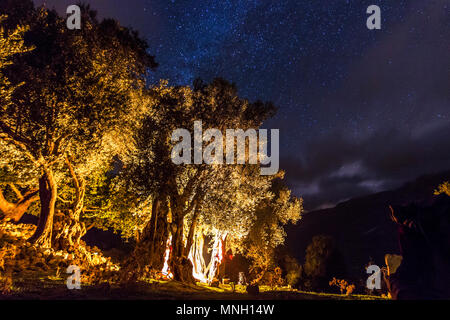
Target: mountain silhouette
361 227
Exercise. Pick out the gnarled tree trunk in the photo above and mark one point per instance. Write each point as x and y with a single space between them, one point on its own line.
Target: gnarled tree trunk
196 256
192 230
180 265
68 229
150 249
216 255
47 195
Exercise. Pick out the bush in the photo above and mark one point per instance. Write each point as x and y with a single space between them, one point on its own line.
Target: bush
444 188
277 279
294 273
273 278
321 262
6 282
343 286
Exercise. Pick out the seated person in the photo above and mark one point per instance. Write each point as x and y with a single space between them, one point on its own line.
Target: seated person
424 239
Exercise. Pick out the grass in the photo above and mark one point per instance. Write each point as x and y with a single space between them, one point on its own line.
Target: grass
55 288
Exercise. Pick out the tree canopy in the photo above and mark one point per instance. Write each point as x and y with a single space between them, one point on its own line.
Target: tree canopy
83 132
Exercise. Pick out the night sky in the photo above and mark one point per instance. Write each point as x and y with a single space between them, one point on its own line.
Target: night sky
360 110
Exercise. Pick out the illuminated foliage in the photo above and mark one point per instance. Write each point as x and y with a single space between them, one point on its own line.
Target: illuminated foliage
267 232
81 128
444 188
343 285
74 109
14 167
11 43
219 198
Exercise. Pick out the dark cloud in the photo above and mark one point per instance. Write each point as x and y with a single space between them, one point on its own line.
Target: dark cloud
337 168
389 117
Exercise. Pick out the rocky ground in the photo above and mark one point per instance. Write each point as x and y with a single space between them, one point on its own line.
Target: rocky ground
22 262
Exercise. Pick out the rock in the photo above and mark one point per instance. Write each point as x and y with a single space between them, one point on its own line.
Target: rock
22 258
253 289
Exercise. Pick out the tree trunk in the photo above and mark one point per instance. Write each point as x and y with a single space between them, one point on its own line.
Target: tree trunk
68 229
15 211
192 229
47 194
177 236
180 265
196 256
216 256
149 251
155 237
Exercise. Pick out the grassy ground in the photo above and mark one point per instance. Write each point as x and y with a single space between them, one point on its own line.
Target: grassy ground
45 288
35 274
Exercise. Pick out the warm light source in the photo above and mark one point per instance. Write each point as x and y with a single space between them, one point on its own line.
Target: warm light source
216 255
165 270
196 257
199 271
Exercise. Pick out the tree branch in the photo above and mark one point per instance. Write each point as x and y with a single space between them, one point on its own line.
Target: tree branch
16 191
8 135
73 174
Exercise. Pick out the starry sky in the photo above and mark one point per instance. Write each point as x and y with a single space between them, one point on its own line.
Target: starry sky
360 111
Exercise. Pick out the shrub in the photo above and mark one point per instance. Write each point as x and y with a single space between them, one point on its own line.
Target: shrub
343 286
322 260
294 273
6 282
443 189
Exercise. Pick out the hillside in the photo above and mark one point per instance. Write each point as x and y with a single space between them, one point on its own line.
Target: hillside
361 227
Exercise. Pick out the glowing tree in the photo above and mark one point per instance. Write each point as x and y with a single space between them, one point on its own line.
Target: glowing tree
14 167
178 193
74 108
267 233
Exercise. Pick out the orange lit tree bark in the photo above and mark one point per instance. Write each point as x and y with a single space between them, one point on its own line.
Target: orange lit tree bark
47 195
15 210
154 236
179 263
193 228
68 228
196 254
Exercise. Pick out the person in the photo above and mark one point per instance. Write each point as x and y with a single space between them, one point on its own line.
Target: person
424 240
